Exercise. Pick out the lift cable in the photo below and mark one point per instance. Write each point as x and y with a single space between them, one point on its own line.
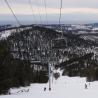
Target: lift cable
6 1
60 17
46 11
39 15
31 7
60 12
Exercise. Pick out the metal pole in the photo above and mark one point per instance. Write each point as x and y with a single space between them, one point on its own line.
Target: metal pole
49 76
52 72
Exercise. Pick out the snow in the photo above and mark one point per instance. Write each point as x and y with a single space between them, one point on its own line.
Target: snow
5 34
89 37
63 87
95 28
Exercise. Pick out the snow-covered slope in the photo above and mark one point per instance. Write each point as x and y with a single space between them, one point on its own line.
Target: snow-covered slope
64 87
5 34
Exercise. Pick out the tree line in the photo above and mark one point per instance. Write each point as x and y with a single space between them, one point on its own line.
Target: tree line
17 72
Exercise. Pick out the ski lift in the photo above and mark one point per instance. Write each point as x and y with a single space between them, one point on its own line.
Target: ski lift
61 42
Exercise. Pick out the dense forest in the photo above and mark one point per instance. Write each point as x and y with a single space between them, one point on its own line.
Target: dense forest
16 72
25 54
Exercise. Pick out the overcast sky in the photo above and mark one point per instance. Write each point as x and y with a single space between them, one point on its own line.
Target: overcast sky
73 10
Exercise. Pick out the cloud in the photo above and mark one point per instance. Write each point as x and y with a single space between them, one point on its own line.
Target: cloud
72 9
26 10
56 3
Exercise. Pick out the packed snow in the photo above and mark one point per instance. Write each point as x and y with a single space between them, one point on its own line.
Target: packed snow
63 87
